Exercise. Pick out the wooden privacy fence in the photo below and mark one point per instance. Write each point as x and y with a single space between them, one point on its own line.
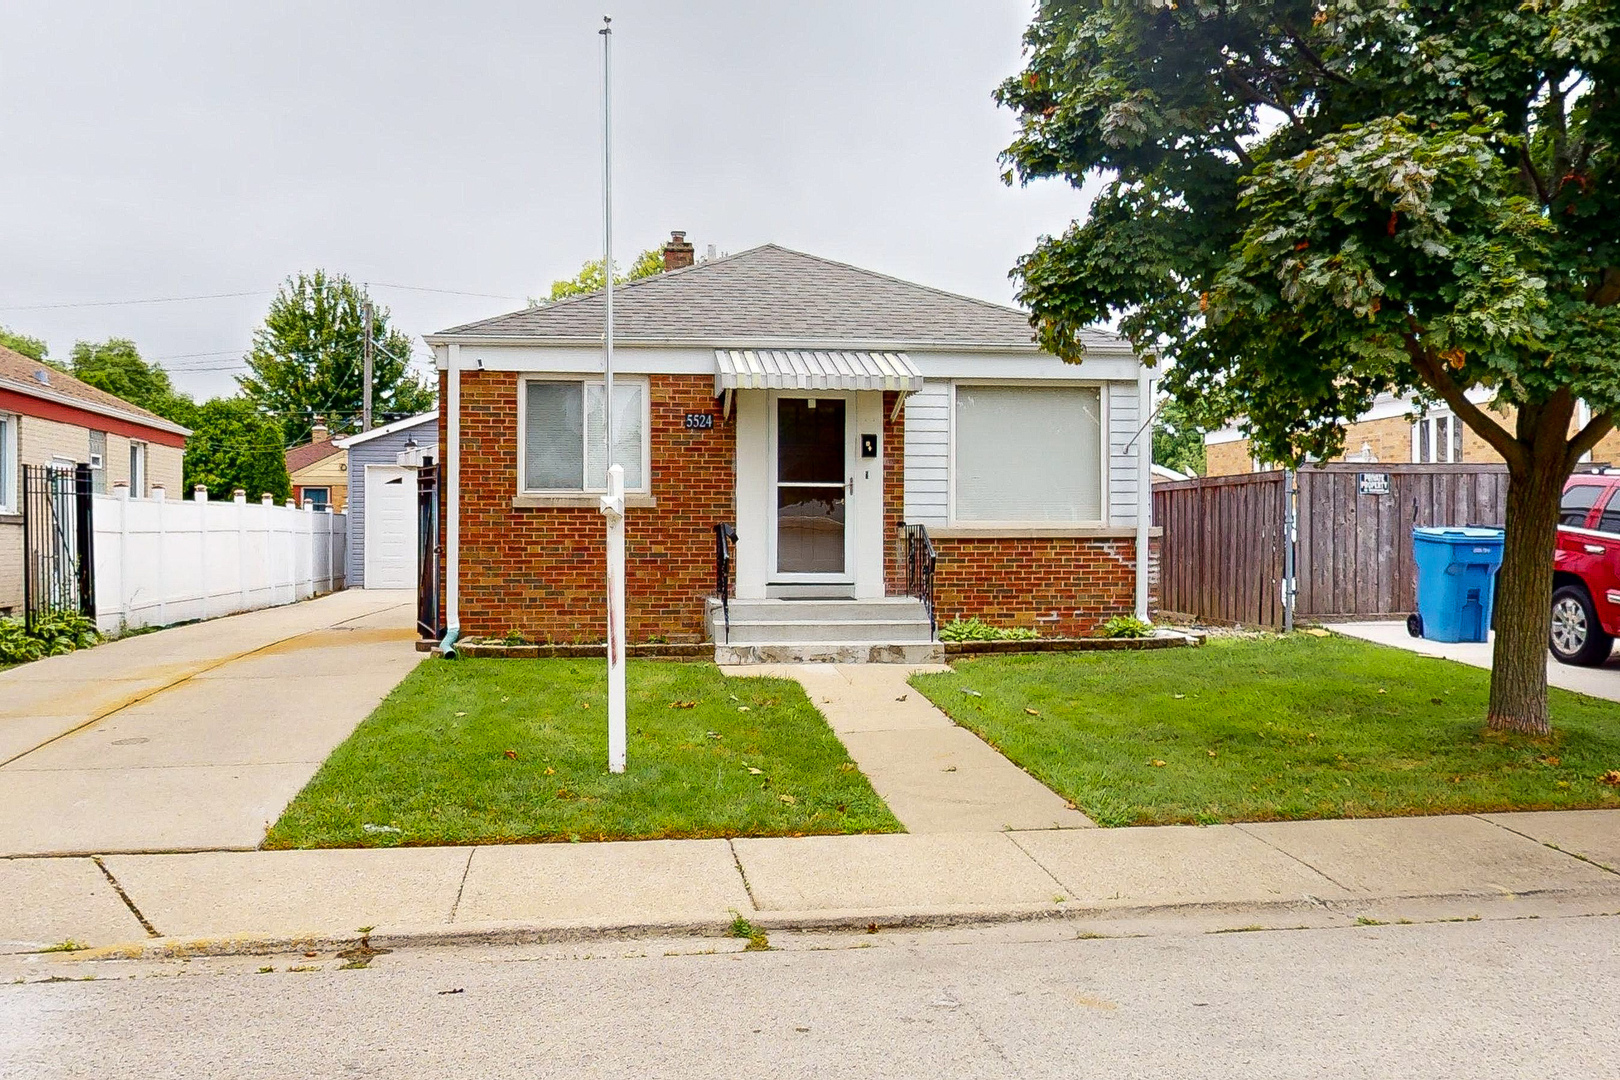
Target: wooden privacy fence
1224 557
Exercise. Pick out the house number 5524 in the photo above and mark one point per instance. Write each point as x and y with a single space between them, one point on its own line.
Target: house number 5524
699 421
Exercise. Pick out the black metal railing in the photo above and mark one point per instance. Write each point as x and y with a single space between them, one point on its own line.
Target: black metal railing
59 557
919 560
429 623
725 535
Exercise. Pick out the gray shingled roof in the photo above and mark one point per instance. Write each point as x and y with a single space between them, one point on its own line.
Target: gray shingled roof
766 293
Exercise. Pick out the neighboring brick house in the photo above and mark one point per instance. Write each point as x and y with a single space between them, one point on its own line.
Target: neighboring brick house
49 417
319 470
815 406
1397 429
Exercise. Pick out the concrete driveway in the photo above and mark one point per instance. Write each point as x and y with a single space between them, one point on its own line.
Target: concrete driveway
1598 682
194 738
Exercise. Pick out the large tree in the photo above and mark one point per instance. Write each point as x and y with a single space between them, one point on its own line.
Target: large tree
307 359
1306 204
32 347
591 278
116 366
233 445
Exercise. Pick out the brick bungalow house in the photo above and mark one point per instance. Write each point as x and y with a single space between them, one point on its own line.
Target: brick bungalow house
814 406
1398 429
319 471
47 417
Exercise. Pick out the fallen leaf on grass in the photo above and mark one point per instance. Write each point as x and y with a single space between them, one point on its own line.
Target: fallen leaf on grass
1550 760
683 704
1211 753
743 708
461 714
1381 690
1612 778
1178 697
511 755
1031 712
550 771
755 772
848 766
1315 631
1157 763
789 799
975 693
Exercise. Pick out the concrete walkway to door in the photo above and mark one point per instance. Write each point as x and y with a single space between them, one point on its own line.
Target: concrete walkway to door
935 776
193 738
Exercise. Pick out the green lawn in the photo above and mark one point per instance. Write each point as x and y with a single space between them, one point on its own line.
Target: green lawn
491 751
1274 728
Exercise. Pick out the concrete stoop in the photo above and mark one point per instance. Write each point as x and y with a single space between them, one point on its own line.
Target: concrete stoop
881 630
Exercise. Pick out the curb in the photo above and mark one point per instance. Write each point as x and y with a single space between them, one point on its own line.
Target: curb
872 921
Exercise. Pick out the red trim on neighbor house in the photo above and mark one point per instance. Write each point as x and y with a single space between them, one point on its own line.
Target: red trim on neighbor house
27 405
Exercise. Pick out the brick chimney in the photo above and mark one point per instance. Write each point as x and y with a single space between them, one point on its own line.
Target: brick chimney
319 432
677 253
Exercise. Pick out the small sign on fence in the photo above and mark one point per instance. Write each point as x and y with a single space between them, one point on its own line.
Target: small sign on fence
1372 483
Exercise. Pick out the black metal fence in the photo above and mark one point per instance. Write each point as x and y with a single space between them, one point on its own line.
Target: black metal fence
59 563
428 621
920 560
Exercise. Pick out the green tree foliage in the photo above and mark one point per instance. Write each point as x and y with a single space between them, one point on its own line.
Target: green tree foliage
1306 204
233 445
590 277
115 365
307 360
32 347
1178 440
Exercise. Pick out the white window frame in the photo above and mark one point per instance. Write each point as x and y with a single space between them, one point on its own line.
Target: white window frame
9 473
1430 422
584 380
1104 457
139 453
304 491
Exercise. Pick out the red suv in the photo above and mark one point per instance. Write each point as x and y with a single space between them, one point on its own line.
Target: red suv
1586 569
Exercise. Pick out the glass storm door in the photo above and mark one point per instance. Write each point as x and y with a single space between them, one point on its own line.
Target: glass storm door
811 496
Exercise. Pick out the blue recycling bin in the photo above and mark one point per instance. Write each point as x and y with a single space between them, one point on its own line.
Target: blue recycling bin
1456 582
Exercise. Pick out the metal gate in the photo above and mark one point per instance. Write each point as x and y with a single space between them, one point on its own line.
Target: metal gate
58 542
427 552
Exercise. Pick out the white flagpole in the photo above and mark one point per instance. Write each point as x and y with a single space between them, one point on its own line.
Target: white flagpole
613 501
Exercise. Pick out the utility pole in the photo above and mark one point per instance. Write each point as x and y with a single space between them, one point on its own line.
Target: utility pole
365 392
613 502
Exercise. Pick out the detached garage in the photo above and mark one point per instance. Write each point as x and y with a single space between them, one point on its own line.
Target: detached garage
382 511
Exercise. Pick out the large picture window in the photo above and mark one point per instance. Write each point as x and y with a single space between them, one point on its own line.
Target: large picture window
1028 455
564 434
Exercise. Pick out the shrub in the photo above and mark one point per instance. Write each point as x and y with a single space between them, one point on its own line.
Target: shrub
975 630
52 635
1121 626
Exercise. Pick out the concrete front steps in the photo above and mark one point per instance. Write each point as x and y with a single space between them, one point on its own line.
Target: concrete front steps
887 630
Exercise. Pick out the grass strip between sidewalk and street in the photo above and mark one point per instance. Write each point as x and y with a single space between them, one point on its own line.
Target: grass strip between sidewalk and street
493 751
1275 728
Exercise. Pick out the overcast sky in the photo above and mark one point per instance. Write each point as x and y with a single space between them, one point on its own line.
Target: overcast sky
177 149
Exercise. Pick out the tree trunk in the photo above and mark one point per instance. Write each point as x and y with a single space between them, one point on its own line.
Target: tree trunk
1524 593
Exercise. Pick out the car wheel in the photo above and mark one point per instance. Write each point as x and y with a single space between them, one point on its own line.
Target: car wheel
1577 637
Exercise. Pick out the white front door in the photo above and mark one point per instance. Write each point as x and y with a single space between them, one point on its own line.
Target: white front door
812 525
390 527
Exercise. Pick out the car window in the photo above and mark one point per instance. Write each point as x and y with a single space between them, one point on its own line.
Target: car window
1609 521
1577 501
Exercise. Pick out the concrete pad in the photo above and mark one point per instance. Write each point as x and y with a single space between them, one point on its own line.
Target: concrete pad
893 872
1173 864
1591 834
34 711
949 780
187 808
44 902
1428 856
1602 681
218 894
664 881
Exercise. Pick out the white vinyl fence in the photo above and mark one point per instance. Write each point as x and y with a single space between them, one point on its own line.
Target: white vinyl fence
161 561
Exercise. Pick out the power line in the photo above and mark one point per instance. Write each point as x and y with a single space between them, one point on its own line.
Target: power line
123 303
447 292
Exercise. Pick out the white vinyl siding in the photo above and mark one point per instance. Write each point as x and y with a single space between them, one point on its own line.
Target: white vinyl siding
1027 455
1124 424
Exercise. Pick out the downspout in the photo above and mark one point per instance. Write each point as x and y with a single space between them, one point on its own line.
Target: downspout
452 527
1144 488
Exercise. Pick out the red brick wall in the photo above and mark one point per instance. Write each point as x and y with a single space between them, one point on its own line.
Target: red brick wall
1060 586
540 570
894 496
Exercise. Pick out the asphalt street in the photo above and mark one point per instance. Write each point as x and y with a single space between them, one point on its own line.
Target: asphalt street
1523 997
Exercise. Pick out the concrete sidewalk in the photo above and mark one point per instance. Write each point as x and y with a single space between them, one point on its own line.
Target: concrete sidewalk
935 776
194 737
1236 876
1599 682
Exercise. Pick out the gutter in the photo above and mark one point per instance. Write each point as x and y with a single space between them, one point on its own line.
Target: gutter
1144 491
452 489
59 398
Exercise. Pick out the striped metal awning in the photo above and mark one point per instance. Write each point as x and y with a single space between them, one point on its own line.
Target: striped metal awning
807 369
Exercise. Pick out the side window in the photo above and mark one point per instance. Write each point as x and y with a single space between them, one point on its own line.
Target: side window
1609 522
1578 500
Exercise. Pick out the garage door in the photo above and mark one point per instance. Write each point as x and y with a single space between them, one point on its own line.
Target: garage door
390 527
